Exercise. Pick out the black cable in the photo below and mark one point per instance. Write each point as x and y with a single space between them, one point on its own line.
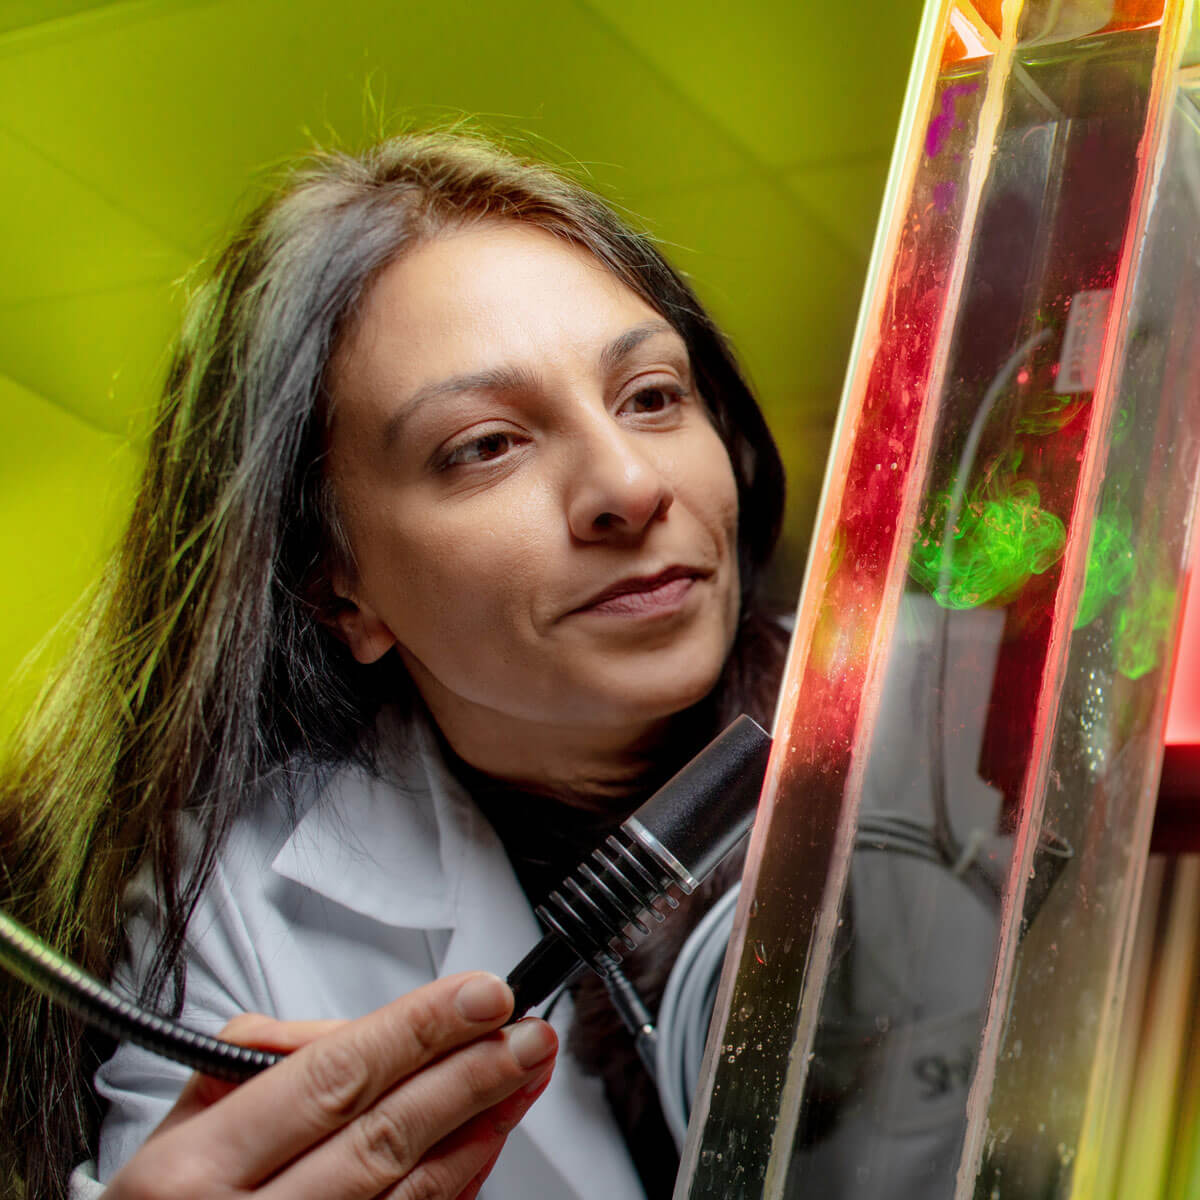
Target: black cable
635 1016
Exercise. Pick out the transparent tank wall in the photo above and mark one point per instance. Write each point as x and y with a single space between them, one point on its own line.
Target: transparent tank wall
930 949
1103 773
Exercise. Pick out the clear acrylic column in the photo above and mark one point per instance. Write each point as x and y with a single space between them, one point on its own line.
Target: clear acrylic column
934 928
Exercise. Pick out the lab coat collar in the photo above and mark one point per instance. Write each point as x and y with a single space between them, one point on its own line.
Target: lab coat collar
390 846
432 861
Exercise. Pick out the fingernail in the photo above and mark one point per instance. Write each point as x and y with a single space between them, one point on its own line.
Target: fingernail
531 1042
484 998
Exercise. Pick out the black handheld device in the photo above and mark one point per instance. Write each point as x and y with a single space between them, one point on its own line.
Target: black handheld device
669 845
672 842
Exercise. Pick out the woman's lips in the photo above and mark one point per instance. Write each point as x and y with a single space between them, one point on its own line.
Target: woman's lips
656 596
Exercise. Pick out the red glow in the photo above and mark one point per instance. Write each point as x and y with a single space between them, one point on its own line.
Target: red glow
1183 708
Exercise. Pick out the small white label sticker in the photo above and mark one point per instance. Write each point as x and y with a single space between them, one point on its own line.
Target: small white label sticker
1083 342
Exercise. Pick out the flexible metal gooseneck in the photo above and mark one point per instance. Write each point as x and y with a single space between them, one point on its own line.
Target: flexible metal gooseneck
30 959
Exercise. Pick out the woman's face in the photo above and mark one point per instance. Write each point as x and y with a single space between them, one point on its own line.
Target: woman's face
541 513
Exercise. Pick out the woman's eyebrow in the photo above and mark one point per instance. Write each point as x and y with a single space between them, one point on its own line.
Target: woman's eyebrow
490 379
506 379
626 343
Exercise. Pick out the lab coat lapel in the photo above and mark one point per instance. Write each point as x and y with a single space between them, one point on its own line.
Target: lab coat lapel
493 924
410 849
494 928
379 844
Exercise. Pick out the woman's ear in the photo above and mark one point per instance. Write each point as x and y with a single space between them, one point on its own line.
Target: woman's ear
355 623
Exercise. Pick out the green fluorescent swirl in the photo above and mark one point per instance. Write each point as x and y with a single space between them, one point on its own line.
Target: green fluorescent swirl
997 542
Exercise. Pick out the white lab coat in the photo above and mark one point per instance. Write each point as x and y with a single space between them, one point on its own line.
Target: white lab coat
383 884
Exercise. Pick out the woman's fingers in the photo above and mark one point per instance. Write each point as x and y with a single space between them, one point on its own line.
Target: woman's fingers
281 1037
415 1099
434 1133
475 1147
472 1188
260 1127
504 1117
246 1029
262 1033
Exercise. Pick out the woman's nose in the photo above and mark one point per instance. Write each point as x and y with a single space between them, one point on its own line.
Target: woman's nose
616 489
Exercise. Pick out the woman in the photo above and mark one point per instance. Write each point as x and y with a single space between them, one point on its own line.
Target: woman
456 491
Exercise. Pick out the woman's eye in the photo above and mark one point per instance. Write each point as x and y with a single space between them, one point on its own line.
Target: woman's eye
653 400
480 449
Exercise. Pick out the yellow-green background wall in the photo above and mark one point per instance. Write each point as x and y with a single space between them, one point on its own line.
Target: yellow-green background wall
752 138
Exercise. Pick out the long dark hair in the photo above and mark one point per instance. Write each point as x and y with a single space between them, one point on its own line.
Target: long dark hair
205 669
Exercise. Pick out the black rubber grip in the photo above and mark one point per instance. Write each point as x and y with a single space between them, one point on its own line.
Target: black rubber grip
702 812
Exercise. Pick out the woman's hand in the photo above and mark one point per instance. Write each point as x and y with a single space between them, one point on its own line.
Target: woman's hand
414 1100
